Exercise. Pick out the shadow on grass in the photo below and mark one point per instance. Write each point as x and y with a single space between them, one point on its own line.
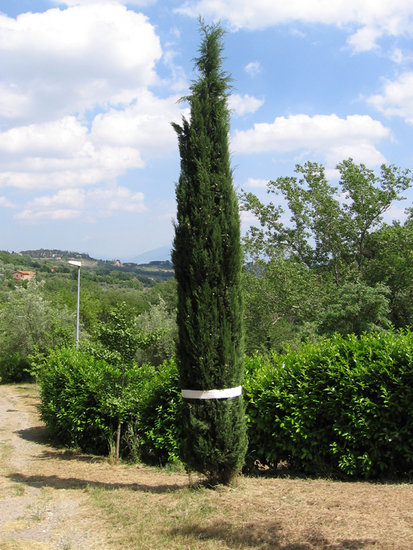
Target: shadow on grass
40 435
57 482
35 434
266 536
285 471
71 454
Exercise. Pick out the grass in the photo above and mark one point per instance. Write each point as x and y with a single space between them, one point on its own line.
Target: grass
154 520
5 451
260 514
15 490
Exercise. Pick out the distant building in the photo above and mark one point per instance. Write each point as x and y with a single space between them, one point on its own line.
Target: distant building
23 275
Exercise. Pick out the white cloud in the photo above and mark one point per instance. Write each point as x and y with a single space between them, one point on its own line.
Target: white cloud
365 39
145 125
62 137
61 154
5 203
371 18
115 199
242 105
75 110
256 183
63 62
33 216
12 101
396 212
89 205
67 153
396 98
332 137
68 198
70 3
397 56
253 68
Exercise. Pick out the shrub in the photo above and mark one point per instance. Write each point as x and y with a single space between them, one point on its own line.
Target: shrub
82 403
159 425
343 405
72 385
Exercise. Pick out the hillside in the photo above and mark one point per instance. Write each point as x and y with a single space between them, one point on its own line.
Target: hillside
55 261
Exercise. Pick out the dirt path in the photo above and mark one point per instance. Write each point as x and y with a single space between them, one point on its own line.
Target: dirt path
33 513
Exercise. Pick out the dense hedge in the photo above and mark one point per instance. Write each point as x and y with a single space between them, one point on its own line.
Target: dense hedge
81 404
343 406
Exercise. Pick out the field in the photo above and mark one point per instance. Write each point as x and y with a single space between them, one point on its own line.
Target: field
60 499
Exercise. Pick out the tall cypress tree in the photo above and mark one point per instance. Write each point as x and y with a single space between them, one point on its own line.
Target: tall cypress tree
207 259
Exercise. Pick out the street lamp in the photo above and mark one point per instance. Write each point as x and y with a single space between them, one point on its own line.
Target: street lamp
78 265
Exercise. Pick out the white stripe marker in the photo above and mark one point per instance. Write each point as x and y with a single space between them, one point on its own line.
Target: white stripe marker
212 394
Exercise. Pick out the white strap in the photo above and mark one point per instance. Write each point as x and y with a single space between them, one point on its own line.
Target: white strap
212 394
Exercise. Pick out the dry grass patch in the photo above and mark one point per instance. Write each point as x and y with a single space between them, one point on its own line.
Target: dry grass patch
264 514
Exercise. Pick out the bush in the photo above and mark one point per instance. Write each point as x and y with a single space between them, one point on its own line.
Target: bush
81 405
72 385
158 426
343 405
14 368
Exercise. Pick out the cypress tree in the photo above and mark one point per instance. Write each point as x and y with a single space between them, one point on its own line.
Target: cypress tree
207 258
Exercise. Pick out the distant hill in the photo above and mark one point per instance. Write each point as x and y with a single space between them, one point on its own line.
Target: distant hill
162 254
55 254
110 271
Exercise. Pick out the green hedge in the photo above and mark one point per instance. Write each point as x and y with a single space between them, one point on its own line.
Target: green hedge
343 405
81 404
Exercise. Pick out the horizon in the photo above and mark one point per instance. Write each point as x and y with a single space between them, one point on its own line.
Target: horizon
155 255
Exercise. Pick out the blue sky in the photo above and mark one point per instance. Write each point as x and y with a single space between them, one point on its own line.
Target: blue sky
88 88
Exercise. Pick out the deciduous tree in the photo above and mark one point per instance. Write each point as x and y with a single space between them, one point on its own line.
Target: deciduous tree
329 237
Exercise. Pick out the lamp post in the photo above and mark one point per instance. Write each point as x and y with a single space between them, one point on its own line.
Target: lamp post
78 265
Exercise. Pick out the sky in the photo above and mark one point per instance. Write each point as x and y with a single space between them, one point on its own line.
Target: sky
88 90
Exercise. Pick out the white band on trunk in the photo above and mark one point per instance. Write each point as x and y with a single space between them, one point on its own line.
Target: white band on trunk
212 394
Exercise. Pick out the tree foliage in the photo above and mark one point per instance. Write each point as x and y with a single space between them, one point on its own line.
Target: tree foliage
28 324
328 225
389 253
207 259
319 268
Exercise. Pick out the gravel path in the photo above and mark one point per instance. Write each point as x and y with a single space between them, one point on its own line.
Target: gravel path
34 512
